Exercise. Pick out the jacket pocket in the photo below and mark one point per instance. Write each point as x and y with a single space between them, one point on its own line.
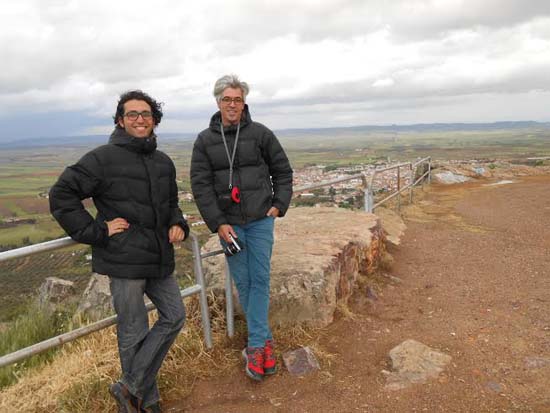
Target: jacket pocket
117 242
224 201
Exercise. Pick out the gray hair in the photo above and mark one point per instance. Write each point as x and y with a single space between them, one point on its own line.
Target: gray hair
231 81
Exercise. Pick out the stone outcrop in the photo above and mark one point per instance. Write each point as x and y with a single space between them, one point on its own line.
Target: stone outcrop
318 255
96 302
393 224
54 290
448 177
452 173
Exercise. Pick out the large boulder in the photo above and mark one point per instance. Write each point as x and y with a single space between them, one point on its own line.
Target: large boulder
318 255
96 302
55 290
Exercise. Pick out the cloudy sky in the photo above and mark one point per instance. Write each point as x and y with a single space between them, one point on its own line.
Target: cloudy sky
310 63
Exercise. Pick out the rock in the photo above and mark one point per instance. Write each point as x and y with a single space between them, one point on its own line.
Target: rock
96 302
535 362
496 387
318 255
301 361
392 223
54 290
448 177
392 278
371 294
414 362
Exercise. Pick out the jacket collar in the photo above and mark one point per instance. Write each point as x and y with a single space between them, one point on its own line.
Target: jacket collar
119 137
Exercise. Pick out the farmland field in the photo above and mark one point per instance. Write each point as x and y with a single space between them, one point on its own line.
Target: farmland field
27 174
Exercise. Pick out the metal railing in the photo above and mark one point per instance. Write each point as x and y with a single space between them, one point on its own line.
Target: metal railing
369 187
368 190
369 195
200 286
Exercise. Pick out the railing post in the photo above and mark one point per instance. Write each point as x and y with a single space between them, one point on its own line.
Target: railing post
398 188
229 308
411 183
369 198
199 277
429 170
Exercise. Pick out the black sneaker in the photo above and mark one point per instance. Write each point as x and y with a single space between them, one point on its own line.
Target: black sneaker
123 398
254 367
154 408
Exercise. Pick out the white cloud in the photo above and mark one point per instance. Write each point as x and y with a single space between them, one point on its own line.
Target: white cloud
304 59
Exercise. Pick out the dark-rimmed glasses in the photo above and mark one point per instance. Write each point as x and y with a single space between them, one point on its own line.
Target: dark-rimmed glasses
237 101
134 115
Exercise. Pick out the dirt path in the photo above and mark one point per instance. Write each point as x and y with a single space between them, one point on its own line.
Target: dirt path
475 271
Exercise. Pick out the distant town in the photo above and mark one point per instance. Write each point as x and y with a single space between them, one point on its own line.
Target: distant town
347 194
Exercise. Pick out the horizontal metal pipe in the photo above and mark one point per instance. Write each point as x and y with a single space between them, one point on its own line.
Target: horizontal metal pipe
211 253
36 248
73 335
325 183
422 177
427 158
391 196
388 168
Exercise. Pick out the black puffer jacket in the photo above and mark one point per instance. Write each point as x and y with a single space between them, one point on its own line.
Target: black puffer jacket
130 179
261 172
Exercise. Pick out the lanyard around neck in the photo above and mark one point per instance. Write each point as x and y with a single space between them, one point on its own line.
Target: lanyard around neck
231 158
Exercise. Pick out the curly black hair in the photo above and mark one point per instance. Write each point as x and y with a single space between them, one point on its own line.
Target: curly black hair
156 107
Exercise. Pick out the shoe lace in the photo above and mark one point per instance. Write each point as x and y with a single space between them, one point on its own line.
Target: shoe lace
257 357
268 351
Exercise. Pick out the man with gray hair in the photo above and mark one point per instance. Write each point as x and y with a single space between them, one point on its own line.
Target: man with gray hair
242 180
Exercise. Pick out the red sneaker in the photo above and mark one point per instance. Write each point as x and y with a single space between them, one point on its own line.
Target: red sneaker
254 357
270 361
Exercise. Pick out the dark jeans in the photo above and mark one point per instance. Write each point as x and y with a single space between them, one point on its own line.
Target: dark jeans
141 349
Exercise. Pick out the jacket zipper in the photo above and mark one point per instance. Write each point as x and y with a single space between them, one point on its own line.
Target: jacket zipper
155 212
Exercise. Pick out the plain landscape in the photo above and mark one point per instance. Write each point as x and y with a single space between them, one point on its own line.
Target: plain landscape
27 171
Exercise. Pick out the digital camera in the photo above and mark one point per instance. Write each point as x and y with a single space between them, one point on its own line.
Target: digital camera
233 247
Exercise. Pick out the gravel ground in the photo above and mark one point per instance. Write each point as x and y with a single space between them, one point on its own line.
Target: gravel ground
474 266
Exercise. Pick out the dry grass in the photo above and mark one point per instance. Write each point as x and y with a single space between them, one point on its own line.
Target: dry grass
78 377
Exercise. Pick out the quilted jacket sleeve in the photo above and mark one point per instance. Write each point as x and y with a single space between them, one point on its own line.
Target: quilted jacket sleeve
176 216
202 185
77 182
280 171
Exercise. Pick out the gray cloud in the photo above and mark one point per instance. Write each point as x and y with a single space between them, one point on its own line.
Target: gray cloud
312 56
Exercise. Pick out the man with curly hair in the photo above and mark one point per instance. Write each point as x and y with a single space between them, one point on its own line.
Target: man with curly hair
133 187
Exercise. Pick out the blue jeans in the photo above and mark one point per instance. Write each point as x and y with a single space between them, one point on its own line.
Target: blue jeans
250 270
141 349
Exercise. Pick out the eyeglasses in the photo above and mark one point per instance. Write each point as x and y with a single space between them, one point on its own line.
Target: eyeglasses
237 101
134 115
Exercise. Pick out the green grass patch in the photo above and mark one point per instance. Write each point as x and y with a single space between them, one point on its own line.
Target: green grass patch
43 230
35 324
